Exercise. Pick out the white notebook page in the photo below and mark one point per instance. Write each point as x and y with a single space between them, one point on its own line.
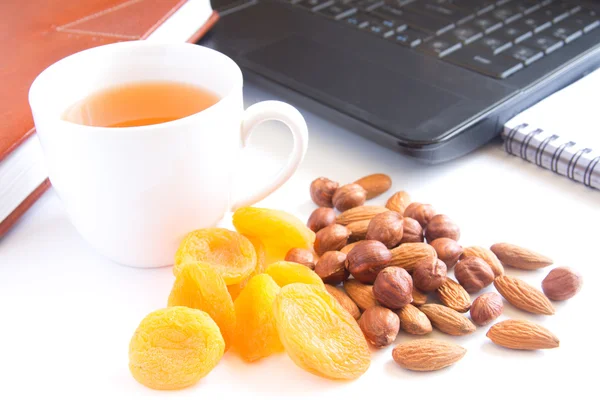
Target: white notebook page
572 113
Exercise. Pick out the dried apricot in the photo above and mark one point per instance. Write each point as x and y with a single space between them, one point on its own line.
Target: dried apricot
174 347
286 272
318 334
259 247
278 230
229 253
255 333
199 286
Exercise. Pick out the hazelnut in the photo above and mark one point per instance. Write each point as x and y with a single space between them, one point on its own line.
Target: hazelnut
412 231
332 237
561 283
331 267
429 274
441 226
486 308
321 218
387 228
473 274
398 202
448 250
393 288
301 256
358 229
366 259
419 212
380 326
322 190
349 196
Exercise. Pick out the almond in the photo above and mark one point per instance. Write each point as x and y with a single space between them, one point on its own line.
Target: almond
519 257
486 255
358 229
344 300
359 214
419 298
427 354
448 320
398 202
407 255
522 295
453 295
375 184
360 293
413 320
522 335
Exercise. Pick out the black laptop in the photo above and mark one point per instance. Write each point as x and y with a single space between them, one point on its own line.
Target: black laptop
433 79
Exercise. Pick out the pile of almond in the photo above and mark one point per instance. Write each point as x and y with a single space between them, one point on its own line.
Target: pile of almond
388 267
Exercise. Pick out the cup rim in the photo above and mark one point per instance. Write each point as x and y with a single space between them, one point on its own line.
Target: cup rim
237 84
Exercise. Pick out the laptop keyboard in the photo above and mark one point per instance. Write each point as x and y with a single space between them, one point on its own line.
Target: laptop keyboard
494 38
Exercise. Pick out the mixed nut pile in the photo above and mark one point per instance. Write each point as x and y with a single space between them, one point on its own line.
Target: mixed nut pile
390 259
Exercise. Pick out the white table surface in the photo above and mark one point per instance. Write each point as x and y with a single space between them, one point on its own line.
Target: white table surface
67 314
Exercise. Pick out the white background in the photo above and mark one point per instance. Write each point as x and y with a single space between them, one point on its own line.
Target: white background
67 314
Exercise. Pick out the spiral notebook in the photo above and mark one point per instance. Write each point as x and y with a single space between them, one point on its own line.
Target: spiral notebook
562 132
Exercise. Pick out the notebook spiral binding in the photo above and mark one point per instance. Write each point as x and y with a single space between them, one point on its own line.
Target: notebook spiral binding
549 151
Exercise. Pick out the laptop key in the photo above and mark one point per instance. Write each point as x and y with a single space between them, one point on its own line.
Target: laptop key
500 66
486 24
337 11
537 22
427 23
466 33
507 13
551 13
314 5
373 23
447 11
586 20
410 37
526 55
516 32
566 31
367 5
571 6
494 44
475 5
441 46
527 6
546 43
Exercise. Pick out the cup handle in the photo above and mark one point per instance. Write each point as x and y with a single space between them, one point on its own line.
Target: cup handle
274 110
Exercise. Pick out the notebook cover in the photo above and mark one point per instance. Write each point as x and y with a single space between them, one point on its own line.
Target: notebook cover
37 33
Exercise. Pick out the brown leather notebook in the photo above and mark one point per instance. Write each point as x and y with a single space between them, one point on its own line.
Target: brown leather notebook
37 33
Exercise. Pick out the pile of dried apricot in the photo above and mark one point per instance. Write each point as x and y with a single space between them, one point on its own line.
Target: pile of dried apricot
234 289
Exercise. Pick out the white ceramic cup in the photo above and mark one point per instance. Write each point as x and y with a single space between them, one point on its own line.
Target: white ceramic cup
133 193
